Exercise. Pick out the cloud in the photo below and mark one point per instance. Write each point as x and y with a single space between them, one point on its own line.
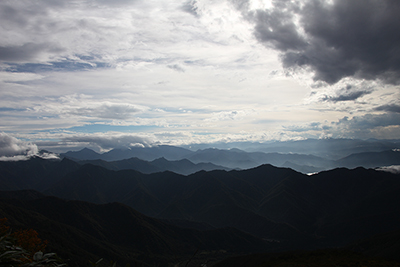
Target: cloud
390 108
393 169
370 121
11 146
107 111
229 115
115 2
276 28
313 126
380 126
190 7
348 93
107 142
176 67
27 52
334 39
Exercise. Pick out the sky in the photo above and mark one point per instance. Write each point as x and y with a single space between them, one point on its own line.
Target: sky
119 73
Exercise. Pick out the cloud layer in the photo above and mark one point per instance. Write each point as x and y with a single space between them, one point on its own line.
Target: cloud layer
115 73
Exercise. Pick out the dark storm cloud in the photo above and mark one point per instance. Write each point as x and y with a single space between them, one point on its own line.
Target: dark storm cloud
26 52
370 121
349 93
276 28
389 108
358 38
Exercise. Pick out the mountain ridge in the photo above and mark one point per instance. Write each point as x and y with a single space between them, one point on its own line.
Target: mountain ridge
239 159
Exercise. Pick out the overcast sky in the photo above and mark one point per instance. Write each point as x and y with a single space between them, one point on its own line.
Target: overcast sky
112 73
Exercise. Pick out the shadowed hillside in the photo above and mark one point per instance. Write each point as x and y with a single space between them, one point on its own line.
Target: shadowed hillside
80 231
288 209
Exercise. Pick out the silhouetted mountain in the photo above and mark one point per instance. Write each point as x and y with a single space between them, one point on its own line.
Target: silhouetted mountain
35 173
201 197
81 231
364 202
239 159
205 159
235 158
330 208
84 154
125 164
183 166
266 201
302 168
147 153
328 148
370 159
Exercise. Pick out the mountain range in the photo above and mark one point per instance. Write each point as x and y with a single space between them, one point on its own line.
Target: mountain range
183 166
329 208
183 161
327 148
174 203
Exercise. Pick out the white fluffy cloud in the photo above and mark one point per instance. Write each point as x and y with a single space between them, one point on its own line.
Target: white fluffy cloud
11 146
392 169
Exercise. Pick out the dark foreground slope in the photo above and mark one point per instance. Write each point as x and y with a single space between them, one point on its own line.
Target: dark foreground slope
81 231
327 209
317 258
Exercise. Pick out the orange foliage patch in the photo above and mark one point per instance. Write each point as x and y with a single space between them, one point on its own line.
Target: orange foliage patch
26 239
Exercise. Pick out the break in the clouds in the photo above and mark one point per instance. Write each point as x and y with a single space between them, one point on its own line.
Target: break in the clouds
114 73
335 39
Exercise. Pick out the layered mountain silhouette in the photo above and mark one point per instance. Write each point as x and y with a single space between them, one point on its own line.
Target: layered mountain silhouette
145 153
284 208
327 148
182 166
331 207
177 159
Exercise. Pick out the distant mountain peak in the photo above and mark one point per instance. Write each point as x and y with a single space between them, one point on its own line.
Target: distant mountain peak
86 149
